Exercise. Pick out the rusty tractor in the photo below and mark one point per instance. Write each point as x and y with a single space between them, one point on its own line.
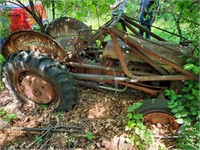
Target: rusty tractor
46 68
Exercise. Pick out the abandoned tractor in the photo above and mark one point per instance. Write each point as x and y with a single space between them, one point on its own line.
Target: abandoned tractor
47 68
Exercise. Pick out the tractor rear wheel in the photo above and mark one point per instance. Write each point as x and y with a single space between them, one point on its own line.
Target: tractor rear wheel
157 111
36 77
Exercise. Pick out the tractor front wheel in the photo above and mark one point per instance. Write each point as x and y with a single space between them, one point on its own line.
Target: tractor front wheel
37 77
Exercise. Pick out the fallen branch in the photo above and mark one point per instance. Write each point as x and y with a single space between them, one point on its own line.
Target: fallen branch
53 129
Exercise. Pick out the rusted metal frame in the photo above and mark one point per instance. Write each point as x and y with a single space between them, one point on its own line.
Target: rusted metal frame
188 75
109 79
116 20
105 68
121 58
138 52
149 86
131 28
137 87
142 28
148 60
155 56
123 25
97 35
74 64
165 78
96 77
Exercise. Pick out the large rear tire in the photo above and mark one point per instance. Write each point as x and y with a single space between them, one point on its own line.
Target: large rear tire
36 77
157 111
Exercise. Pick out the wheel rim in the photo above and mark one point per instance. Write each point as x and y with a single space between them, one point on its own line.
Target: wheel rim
162 118
35 88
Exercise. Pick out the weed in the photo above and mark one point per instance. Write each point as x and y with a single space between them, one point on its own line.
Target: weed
70 141
60 115
2 86
8 117
90 136
185 107
38 140
138 134
43 106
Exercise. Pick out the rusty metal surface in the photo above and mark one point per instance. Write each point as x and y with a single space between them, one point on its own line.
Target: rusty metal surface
156 55
36 88
68 32
127 59
141 88
31 40
162 118
121 58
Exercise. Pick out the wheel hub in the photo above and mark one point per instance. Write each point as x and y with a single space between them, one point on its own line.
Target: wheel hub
37 88
161 118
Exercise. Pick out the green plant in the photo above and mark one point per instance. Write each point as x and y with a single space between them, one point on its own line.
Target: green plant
70 141
43 106
138 133
90 136
2 112
2 86
60 115
185 107
189 137
8 117
38 140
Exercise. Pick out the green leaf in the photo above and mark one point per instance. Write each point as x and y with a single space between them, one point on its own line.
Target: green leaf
43 106
180 121
171 102
194 113
90 136
180 108
38 140
185 89
130 115
187 120
2 112
189 96
134 107
184 114
130 124
1 59
171 106
190 60
138 116
174 110
175 104
12 116
178 115
179 96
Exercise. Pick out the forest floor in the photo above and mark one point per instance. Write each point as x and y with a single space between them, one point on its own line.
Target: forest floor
97 121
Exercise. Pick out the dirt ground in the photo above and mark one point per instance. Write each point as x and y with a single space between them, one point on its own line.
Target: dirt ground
98 115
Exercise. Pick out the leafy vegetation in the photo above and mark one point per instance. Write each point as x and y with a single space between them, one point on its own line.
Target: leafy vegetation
2 86
138 133
90 136
70 140
38 140
43 106
185 106
8 117
60 116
